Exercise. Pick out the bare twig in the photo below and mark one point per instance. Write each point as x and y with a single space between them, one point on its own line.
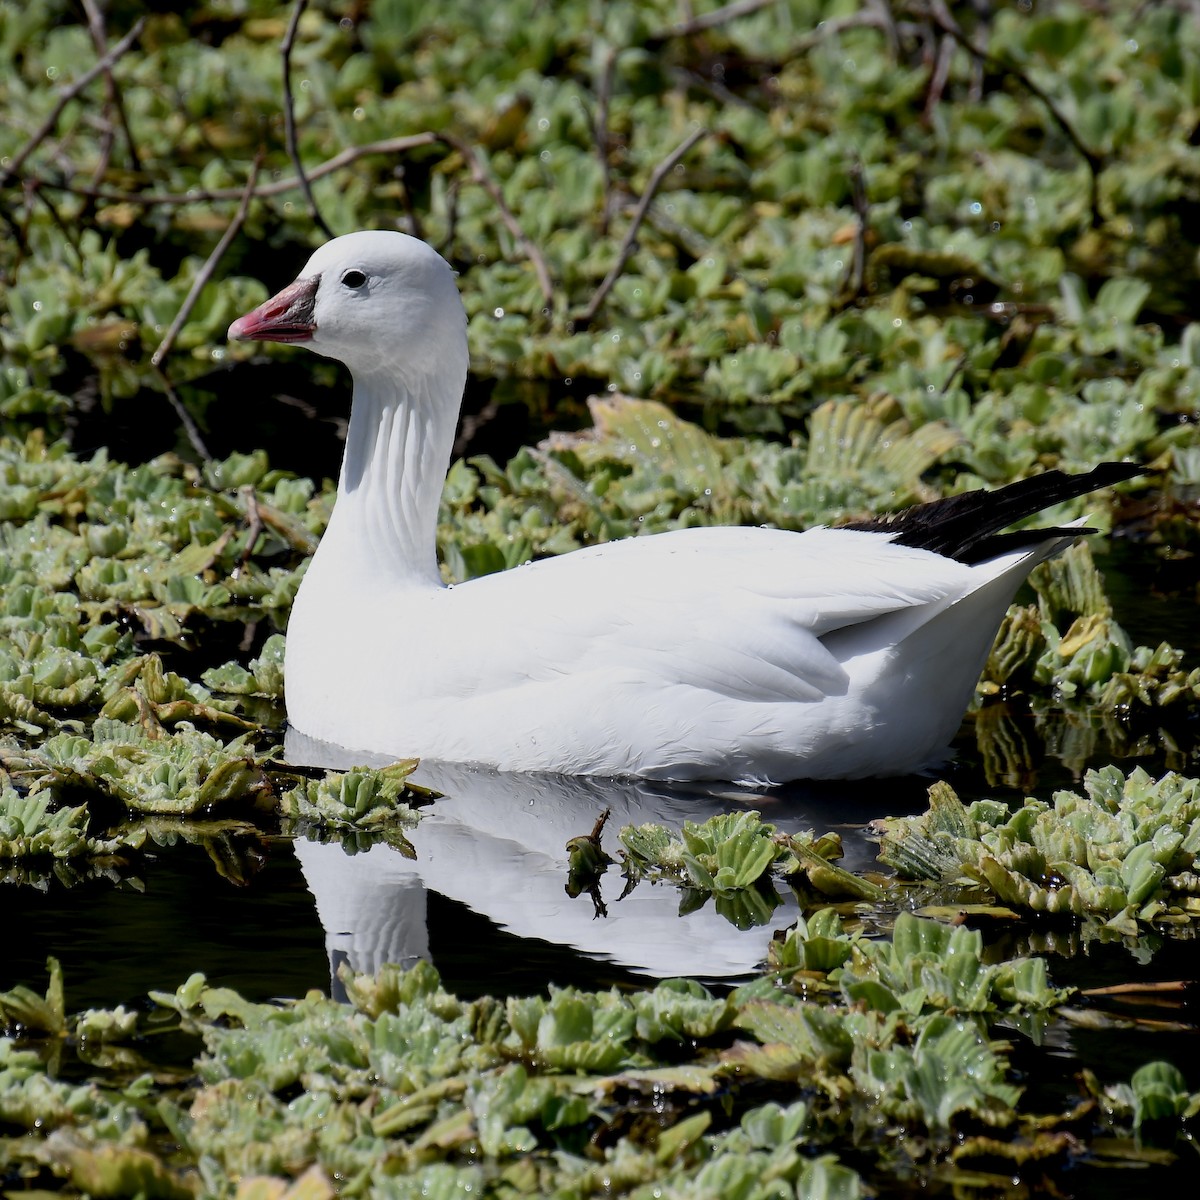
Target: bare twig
939 76
712 87
66 94
107 132
114 100
482 177
598 827
1094 162
276 187
205 272
470 426
254 525
838 25
639 215
289 117
857 271
71 236
1158 988
887 22
710 20
185 417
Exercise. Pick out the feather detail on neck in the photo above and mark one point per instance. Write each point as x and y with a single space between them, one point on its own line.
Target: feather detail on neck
397 452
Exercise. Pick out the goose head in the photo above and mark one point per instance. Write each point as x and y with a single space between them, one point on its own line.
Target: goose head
378 301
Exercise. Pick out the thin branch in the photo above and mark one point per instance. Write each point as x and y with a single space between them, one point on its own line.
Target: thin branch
66 94
185 418
856 273
71 236
1094 162
205 272
289 117
837 25
114 100
254 525
887 22
688 78
481 176
108 134
939 75
277 187
639 215
710 20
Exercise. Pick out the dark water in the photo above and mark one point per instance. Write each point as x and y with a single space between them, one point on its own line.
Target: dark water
485 899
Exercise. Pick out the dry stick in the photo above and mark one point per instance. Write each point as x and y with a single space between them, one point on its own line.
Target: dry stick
639 215
836 25
202 277
205 272
277 187
857 273
108 134
65 96
718 91
481 176
939 76
1093 161
289 117
185 417
1127 989
887 22
710 20
115 101
70 235
254 526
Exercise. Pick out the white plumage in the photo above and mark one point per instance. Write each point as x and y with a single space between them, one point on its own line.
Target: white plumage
728 653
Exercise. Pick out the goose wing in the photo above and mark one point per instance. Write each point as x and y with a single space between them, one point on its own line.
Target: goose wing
738 612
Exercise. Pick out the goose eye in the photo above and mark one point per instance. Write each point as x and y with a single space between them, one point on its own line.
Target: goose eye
353 278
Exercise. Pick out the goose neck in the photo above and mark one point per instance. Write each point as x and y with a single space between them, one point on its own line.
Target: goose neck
397 452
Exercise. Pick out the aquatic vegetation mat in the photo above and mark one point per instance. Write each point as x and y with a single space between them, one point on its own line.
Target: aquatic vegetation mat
406 1089
1124 850
790 263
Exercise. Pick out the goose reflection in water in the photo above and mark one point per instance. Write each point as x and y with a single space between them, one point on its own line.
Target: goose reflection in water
496 843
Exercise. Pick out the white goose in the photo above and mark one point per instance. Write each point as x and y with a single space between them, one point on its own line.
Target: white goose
726 653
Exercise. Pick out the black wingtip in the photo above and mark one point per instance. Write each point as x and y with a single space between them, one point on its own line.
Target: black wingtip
966 527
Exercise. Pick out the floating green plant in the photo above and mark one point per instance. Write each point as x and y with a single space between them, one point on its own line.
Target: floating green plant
886 283
407 1087
732 858
1122 851
31 827
1071 641
363 803
149 770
